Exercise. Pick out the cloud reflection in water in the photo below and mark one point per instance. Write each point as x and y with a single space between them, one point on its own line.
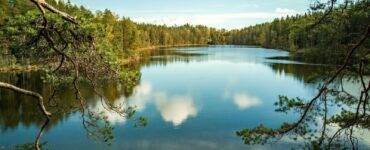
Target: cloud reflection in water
244 101
176 109
142 95
140 98
110 115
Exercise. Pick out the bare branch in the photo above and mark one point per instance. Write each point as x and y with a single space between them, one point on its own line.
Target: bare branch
42 5
29 93
326 14
39 134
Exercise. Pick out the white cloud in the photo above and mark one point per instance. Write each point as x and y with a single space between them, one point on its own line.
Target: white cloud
285 11
141 96
211 19
168 11
110 115
139 99
176 109
244 101
249 5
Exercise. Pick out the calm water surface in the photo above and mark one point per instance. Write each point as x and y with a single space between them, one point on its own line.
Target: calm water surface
194 98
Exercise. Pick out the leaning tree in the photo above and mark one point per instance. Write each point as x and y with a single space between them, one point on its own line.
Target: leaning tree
65 51
316 123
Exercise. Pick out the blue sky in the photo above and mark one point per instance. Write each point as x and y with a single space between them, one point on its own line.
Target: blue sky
228 14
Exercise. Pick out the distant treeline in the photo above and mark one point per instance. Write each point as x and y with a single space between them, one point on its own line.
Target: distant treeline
120 37
310 36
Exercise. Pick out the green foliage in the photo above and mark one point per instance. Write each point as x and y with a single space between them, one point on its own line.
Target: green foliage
285 104
99 127
324 43
258 135
30 146
118 39
141 122
130 78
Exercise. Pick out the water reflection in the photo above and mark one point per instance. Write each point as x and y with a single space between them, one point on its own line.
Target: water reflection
142 96
191 96
111 116
308 73
244 101
175 109
19 113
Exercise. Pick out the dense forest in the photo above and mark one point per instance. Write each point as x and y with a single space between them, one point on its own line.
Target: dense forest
117 37
305 38
72 47
121 37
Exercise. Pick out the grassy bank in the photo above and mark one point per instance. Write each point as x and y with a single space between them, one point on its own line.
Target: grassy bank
19 68
170 46
132 59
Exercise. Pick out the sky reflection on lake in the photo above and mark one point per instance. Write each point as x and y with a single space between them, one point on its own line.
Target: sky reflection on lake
190 100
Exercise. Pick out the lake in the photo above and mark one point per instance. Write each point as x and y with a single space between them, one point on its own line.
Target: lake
191 97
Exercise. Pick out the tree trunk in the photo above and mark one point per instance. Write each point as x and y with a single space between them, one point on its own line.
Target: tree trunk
29 93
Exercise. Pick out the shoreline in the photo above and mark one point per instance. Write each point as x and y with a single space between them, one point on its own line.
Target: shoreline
142 51
170 46
27 68
132 59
